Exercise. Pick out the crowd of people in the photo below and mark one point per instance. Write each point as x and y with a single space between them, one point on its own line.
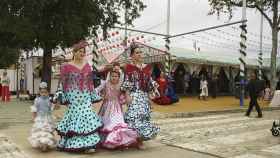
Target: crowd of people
83 130
198 84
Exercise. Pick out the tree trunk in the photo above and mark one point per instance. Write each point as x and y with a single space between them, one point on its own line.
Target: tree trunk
273 58
47 66
275 30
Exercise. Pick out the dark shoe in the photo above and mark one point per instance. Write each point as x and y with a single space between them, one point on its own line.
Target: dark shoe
260 116
247 115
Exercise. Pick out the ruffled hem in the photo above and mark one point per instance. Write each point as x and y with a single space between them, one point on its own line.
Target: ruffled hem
38 143
71 133
162 100
76 149
116 146
40 139
151 135
145 130
119 137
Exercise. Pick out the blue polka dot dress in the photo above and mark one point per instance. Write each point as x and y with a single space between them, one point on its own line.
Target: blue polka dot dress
78 128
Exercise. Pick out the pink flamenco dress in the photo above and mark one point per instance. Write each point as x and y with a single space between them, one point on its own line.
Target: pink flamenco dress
115 132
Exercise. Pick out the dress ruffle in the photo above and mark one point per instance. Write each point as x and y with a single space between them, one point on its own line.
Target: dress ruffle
78 128
138 116
120 137
162 100
115 132
42 133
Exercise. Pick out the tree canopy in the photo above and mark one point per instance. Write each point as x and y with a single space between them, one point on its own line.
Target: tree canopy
48 24
266 7
52 23
8 57
269 9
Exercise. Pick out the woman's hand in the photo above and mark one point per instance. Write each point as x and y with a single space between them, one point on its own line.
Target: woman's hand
128 98
56 106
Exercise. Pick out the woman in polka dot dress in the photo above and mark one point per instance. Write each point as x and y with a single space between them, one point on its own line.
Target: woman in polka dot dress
137 85
78 128
115 132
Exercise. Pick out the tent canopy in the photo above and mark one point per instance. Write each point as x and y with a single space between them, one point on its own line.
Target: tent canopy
156 53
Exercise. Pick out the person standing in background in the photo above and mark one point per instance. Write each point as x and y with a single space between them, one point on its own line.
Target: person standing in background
0 87
214 85
5 87
278 84
252 87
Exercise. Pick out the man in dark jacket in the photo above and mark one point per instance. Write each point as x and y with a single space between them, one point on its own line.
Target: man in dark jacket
278 84
253 88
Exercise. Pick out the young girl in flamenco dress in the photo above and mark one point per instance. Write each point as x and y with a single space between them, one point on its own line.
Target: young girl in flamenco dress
115 133
42 133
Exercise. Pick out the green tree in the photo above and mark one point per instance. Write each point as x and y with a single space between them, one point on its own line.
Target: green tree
9 49
8 57
268 8
49 24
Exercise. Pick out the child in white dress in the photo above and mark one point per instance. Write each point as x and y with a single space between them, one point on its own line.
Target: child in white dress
42 133
203 88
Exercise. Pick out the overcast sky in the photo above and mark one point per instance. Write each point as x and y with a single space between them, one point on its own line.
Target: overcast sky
190 15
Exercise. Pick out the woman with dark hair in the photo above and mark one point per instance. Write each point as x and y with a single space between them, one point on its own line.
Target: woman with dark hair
137 85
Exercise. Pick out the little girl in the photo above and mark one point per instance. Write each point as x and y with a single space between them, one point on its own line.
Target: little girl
115 132
42 136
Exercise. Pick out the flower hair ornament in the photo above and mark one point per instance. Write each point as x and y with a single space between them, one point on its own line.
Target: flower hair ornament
43 85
